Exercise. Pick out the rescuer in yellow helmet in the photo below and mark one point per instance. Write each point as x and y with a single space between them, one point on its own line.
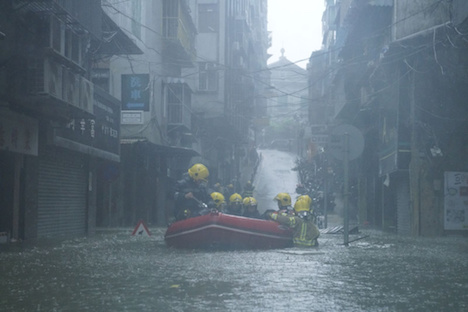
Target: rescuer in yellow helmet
305 232
218 200
191 193
284 203
250 208
235 205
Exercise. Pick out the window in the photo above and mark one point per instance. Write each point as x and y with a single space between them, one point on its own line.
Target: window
208 18
136 18
208 77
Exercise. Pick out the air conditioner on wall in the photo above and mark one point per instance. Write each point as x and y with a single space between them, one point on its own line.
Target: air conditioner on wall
56 39
45 77
86 95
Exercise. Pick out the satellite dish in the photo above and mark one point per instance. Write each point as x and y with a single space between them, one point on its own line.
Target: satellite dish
336 144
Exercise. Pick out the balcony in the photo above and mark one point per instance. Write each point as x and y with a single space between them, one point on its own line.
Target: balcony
50 88
178 115
179 32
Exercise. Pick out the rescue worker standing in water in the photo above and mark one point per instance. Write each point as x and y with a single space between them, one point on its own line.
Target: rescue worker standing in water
305 231
284 203
191 192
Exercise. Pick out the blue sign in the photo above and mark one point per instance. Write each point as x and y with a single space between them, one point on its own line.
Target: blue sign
135 92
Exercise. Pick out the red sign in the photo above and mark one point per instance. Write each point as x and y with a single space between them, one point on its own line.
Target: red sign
141 229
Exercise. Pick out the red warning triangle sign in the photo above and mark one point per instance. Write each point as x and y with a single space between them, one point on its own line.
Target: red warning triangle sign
141 229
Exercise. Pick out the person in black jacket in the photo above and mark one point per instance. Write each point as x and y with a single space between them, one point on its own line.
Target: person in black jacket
191 193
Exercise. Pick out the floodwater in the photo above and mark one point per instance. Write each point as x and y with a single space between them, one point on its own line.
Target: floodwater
115 271
274 175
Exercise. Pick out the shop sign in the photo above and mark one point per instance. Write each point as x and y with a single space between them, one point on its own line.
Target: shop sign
135 92
18 133
132 118
456 200
101 132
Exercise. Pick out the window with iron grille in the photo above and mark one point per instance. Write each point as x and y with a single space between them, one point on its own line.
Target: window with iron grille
208 77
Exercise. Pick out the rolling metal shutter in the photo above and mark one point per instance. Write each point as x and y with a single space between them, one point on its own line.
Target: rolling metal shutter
403 206
62 194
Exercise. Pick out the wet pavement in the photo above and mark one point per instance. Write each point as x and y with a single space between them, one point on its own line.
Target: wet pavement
274 175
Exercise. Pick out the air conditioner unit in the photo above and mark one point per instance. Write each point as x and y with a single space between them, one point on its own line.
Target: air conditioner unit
86 95
56 35
71 88
45 77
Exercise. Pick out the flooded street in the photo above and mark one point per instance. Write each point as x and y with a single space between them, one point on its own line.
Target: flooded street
117 272
114 271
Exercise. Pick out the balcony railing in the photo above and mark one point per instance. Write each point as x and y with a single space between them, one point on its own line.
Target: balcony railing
179 115
178 26
178 101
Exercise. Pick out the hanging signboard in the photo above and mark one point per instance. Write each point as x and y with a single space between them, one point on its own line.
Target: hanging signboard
456 200
135 92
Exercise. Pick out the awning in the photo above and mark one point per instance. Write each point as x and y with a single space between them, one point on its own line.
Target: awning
162 150
114 40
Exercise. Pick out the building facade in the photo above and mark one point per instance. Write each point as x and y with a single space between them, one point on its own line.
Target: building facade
287 105
56 127
397 70
227 80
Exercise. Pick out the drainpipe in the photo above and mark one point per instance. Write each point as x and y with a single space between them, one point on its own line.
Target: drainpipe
414 169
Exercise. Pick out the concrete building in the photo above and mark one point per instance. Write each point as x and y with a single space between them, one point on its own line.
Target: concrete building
288 103
156 133
397 71
228 78
57 128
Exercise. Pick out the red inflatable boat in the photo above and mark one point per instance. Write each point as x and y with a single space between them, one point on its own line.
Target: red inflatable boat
217 230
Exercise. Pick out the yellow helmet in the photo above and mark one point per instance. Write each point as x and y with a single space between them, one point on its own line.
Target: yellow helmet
301 205
218 199
199 172
235 198
306 198
284 199
250 201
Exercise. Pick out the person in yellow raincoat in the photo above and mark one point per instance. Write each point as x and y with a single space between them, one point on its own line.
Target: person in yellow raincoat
305 232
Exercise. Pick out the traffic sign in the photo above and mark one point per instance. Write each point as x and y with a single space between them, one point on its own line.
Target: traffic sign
141 229
337 146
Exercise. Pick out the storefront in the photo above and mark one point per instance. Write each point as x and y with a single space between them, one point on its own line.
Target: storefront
18 139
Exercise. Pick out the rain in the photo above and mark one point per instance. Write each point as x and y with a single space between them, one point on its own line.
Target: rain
144 146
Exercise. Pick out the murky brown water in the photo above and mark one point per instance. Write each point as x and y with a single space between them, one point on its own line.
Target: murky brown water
117 272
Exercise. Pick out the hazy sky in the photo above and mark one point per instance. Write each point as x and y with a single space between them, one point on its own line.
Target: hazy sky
296 26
